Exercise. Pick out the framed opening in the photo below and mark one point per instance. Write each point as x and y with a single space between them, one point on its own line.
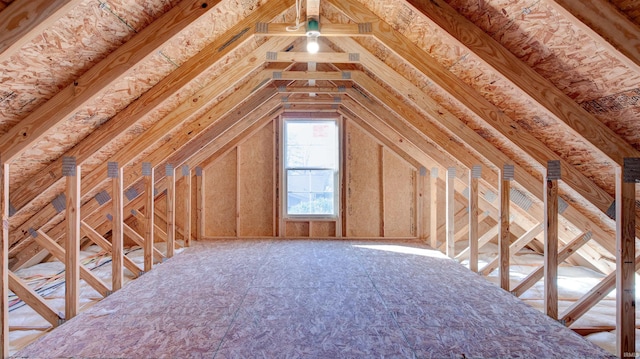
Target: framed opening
311 168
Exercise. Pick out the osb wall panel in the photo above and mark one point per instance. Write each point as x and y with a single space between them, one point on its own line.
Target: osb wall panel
220 198
256 184
296 229
399 196
322 229
363 184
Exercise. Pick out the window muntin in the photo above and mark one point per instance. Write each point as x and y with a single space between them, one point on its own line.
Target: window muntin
311 167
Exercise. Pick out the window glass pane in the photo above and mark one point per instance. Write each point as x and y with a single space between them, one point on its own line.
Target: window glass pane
311 144
310 192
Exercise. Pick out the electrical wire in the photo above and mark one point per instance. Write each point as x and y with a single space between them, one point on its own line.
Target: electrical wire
45 285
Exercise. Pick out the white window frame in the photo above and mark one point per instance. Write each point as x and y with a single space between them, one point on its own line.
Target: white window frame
337 185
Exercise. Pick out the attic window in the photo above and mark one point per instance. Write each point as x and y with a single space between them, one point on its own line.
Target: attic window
311 167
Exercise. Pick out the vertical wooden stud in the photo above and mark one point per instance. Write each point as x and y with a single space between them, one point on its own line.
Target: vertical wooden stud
626 178
451 212
381 189
200 202
72 249
474 176
171 209
4 265
422 220
433 200
186 178
238 190
117 231
504 188
149 207
551 239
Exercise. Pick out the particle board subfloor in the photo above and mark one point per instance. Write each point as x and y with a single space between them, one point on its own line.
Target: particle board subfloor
311 299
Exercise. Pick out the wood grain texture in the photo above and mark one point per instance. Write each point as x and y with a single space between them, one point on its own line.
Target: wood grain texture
58 252
187 207
450 215
4 260
256 186
200 204
567 250
504 189
473 223
98 239
150 100
149 223
72 247
171 214
551 99
625 266
117 232
24 19
604 23
514 247
551 248
468 97
602 230
33 299
176 118
220 201
93 82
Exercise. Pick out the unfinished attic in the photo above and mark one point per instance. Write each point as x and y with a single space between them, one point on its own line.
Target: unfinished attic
335 178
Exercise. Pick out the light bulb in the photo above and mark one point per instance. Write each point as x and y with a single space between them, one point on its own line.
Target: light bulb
312 45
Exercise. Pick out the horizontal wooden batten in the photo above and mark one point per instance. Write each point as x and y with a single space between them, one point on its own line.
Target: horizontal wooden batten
326 30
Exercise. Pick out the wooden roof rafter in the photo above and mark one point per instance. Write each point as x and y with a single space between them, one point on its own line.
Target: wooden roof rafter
548 97
146 104
93 82
175 118
443 140
458 129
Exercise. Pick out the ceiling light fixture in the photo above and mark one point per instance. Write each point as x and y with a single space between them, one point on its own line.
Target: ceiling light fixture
313 32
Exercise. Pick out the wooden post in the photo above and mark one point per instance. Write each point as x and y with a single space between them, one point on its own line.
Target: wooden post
551 239
451 212
114 172
171 209
423 219
626 178
474 175
4 260
149 208
72 249
200 202
186 230
504 188
433 196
